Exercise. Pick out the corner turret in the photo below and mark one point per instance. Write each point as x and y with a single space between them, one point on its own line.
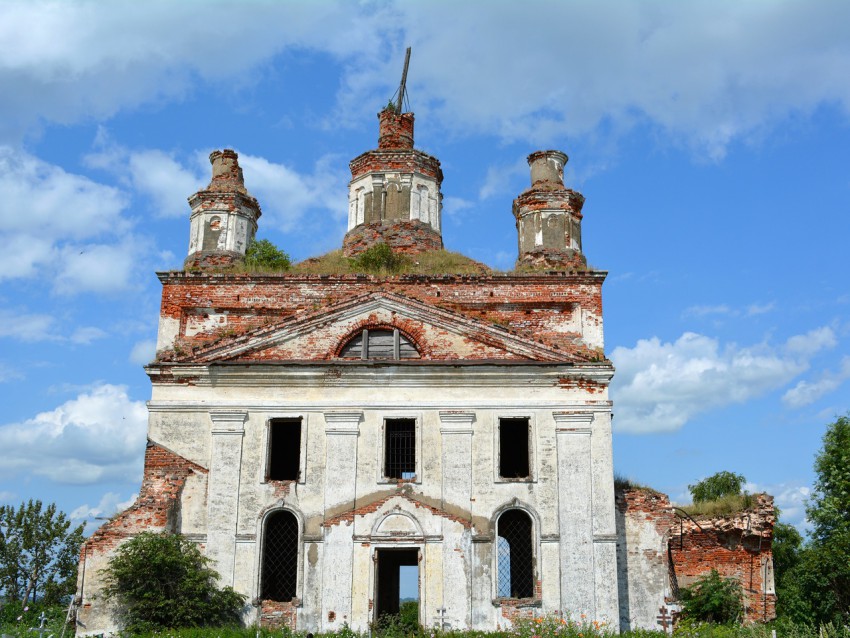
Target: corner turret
548 217
224 216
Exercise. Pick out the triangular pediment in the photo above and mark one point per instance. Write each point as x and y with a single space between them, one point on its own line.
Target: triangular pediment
438 334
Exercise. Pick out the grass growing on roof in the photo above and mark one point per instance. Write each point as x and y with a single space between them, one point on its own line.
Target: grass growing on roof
724 506
380 260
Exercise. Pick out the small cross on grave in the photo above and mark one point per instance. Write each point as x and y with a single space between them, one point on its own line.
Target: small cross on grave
441 619
41 629
664 618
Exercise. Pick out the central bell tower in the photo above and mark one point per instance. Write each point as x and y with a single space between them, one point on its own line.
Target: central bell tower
394 195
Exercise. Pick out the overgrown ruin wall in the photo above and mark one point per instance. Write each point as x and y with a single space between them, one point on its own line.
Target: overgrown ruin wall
660 550
737 546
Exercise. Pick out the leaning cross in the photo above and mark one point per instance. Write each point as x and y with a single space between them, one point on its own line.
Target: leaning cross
403 86
441 618
663 618
41 629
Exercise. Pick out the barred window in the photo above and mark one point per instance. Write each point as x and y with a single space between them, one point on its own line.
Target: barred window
280 557
379 344
515 555
400 448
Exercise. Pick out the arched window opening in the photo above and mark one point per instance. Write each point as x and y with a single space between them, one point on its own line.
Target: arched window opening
379 344
514 555
280 557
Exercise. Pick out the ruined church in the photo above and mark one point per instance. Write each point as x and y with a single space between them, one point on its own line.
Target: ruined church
324 436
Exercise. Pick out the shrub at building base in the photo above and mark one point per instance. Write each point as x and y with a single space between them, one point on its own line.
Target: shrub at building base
162 581
714 599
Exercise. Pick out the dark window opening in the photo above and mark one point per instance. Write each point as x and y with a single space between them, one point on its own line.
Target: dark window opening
513 448
400 449
379 344
515 559
284 450
397 580
280 557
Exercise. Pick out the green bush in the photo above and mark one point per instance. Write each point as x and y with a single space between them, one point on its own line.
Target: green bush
717 486
380 259
713 599
162 581
264 255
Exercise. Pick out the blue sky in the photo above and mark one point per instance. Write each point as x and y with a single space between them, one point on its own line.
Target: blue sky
711 139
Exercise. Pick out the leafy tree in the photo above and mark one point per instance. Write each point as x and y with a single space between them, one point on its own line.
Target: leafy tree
788 555
717 486
162 581
713 598
829 507
39 553
264 254
826 562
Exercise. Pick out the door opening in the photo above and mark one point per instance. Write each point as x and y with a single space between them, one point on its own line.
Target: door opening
397 581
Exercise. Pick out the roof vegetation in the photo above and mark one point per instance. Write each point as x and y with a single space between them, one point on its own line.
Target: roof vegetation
723 506
381 260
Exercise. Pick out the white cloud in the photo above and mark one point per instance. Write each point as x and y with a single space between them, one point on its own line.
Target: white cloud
751 310
705 72
8 373
453 208
812 342
99 268
42 199
84 335
6 496
143 352
50 218
806 392
704 311
110 503
66 62
152 173
501 179
760 309
286 195
790 499
97 436
27 327
660 386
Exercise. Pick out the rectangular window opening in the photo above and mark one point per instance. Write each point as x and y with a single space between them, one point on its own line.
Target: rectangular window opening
400 449
513 448
284 450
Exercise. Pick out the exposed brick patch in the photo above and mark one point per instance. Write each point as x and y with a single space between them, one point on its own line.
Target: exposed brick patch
279 615
514 609
439 335
395 130
403 236
374 506
155 509
213 259
216 307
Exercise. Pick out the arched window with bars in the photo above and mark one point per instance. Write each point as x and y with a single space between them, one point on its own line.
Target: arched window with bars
515 555
280 557
379 343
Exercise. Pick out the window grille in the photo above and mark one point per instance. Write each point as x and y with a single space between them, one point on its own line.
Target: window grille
515 555
379 344
400 449
280 557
